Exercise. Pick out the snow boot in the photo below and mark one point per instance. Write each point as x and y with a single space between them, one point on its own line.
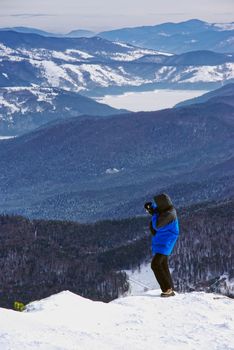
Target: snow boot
168 293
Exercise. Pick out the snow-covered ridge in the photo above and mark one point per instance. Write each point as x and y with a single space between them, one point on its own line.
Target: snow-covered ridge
124 53
196 74
25 108
66 321
24 100
105 65
88 76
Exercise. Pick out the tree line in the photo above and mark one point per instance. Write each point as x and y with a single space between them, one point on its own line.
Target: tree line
42 257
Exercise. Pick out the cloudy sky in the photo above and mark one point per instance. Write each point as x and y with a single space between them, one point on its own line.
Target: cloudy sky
65 15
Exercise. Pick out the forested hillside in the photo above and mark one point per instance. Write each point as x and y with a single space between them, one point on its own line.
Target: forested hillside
61 169
39 258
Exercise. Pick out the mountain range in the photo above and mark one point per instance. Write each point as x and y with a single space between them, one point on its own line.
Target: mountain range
96 66
177 38
89 169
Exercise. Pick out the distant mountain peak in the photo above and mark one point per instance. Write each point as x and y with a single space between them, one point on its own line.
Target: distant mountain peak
190 35
80 33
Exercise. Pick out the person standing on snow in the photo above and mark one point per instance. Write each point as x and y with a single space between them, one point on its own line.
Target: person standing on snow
164 227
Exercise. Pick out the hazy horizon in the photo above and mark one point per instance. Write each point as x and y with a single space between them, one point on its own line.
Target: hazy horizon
104 28
61 17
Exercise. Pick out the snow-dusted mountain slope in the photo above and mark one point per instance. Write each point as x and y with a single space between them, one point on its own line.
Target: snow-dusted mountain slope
25 108
66 321
94 65
69 49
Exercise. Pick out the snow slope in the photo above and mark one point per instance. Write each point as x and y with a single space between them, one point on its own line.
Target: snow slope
141 280
69 322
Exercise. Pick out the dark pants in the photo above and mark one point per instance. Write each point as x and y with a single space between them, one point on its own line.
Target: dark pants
159 265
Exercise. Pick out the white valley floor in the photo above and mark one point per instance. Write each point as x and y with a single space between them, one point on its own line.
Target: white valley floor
150 100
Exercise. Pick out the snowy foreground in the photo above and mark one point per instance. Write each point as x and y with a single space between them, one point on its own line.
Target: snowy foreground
68 321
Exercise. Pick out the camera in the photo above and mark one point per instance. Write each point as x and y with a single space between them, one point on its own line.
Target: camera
150 208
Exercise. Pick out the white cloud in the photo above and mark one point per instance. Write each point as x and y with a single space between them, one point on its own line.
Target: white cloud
102 14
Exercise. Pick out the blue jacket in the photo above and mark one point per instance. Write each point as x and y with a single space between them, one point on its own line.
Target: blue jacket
165 235
164 225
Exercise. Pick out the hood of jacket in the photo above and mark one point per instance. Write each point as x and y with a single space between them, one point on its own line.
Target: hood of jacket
163 202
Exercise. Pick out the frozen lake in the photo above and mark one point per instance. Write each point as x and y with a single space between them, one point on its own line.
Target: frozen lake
150 100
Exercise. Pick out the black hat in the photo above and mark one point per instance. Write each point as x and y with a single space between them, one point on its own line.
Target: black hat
163 202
